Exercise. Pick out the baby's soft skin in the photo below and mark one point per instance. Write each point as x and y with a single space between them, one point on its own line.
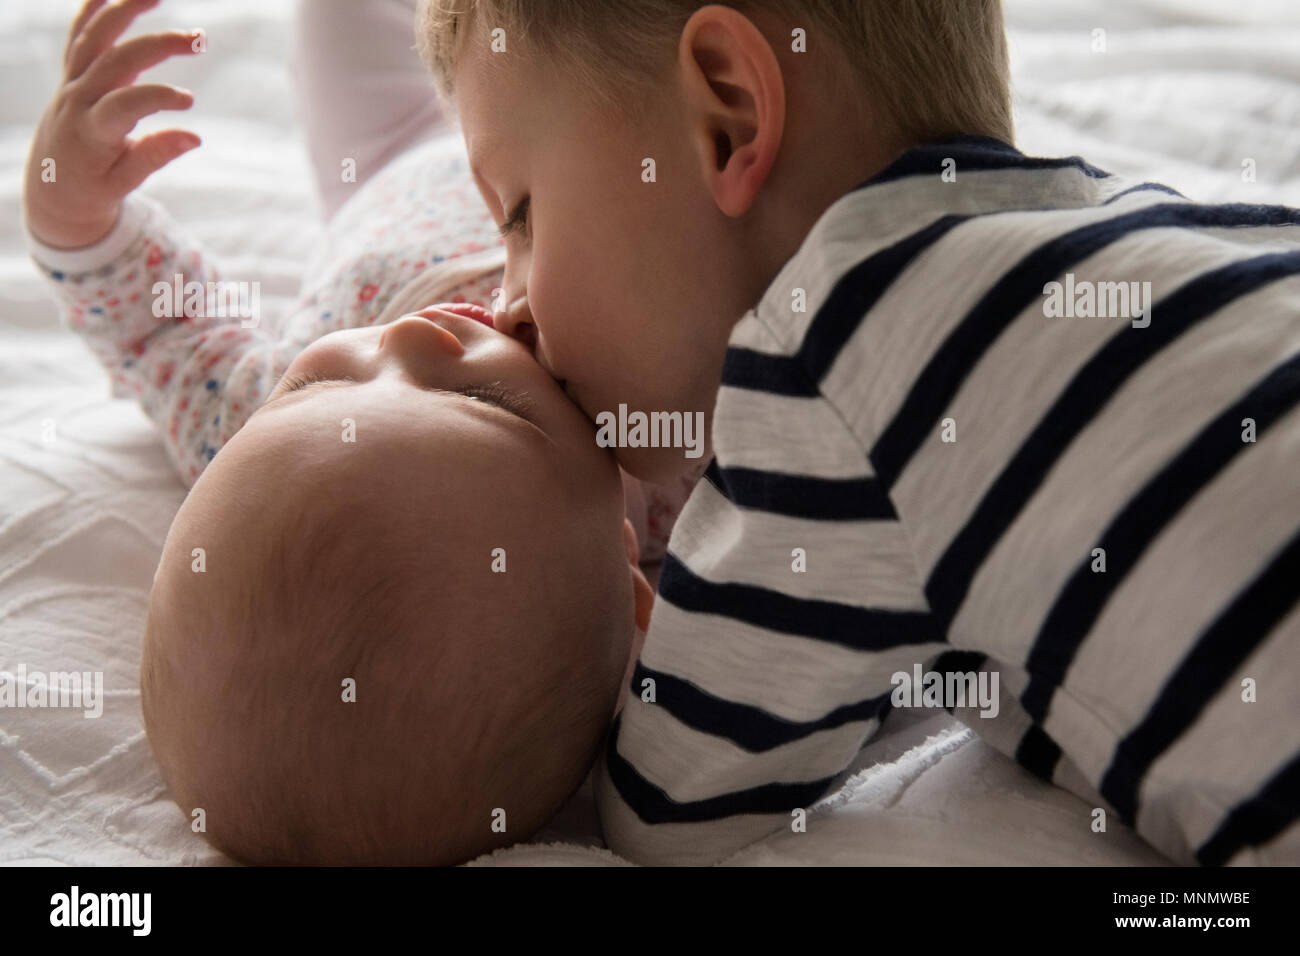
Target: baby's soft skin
86 127
350 532
441 366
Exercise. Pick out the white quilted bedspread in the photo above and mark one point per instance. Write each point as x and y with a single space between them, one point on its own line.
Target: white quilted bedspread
1186 91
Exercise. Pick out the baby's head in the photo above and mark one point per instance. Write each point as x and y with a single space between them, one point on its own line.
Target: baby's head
656 163
390 620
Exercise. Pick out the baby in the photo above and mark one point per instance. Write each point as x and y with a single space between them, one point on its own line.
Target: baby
391 619
398 641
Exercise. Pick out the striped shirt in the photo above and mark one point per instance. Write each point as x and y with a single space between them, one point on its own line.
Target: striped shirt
946 441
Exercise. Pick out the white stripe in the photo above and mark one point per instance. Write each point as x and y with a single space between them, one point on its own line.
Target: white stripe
1232 750
752 334
674 844
689 765
798 436
864 564
795 678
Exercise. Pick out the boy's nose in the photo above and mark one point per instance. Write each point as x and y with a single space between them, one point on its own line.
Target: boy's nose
516 321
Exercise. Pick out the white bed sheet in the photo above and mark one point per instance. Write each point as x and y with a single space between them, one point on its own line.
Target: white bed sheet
1187 90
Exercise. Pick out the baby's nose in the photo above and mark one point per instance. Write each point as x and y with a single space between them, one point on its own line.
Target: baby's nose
516 321
419 338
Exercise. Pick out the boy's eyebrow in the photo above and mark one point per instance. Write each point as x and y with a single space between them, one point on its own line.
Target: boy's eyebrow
480 152
483 146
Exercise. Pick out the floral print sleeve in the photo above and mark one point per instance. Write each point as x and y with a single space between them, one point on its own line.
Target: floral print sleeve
197 377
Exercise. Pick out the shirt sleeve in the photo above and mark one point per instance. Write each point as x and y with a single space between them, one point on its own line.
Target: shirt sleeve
194 351
789 598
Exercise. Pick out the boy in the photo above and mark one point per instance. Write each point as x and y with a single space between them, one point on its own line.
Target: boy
971 412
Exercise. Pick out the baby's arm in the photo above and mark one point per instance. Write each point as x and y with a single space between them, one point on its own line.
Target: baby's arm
197 377
112 257
653 510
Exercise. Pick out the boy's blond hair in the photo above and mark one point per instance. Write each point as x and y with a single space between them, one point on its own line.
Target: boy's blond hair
938 68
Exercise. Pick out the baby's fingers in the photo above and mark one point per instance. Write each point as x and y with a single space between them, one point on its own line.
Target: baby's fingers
146 156
117 113
88 10
101 32
121 65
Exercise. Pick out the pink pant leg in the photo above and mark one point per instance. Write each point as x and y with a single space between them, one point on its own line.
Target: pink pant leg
362 91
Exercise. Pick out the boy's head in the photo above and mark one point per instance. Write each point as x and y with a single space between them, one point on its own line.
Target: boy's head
395 609
656 163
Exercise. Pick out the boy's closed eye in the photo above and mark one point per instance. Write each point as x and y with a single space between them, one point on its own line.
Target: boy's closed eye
517 222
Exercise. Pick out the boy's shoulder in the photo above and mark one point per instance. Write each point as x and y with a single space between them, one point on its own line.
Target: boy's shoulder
973 212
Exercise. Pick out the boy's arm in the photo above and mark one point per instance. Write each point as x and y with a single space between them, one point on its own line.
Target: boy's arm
767 665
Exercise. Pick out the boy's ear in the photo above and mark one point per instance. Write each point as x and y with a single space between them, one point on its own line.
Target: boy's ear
735 90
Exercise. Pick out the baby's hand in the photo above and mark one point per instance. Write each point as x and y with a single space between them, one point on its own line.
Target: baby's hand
82 165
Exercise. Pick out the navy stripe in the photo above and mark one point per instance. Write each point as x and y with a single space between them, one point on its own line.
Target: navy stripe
1088 392
1258 820
1142 520
857 292
1038 753
974 154
803 496
1223 647
859 629
847 304
956 359
653 806
958 662
749 727
761 372
1142 188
